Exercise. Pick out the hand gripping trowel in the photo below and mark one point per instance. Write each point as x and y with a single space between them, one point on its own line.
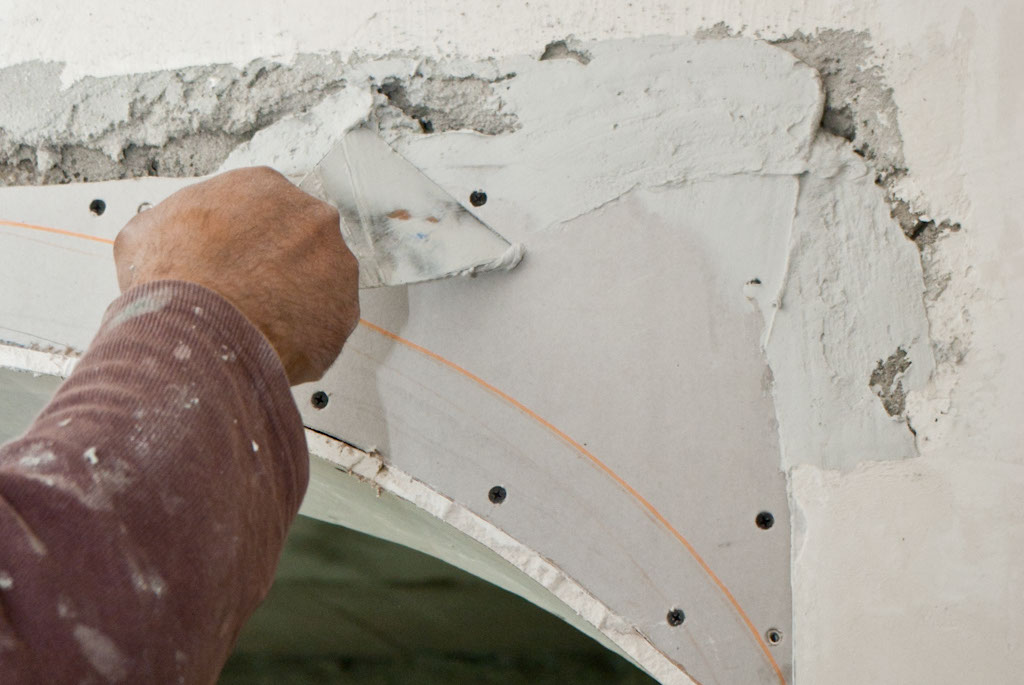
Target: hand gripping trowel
401 226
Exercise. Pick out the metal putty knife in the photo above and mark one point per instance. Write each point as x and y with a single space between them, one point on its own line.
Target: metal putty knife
401 226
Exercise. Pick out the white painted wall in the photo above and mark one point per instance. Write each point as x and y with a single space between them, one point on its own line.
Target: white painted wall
903 571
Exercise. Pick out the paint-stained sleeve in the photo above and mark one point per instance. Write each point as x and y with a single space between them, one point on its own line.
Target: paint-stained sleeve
143 513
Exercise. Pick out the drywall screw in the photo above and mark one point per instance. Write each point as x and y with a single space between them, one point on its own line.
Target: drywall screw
97 206
497 494
765 520
319 399
774 636
675 617
477 198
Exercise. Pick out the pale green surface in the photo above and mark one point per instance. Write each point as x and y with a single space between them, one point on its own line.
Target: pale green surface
350 608
22 396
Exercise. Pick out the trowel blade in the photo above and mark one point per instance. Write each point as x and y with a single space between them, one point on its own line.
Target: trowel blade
401 226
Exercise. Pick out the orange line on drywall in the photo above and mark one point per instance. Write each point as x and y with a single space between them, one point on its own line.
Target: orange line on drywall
539 419
601 465
58 231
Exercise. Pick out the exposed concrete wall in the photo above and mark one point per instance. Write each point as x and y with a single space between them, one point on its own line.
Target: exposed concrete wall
903 565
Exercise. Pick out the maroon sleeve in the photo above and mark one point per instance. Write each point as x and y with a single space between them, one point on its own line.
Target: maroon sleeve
143 513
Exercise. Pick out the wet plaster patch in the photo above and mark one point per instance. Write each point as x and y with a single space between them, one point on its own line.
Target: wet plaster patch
837 284
860 107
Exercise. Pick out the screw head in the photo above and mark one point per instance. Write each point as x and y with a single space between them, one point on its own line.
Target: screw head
319 399
675 617
764 520
478 198
97 206
497 494
773 635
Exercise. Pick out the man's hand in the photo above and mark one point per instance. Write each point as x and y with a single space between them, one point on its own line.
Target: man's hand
270 249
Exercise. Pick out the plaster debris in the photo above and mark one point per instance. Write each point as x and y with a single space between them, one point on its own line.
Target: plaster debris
886 381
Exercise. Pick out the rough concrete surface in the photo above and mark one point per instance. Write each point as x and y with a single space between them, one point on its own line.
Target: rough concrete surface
440 102
185 122
171 123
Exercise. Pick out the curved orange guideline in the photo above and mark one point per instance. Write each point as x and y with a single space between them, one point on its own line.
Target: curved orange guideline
601 465
542 421
58 231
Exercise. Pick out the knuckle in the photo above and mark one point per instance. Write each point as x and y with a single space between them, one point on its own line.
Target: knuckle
329 217
121 242
265 172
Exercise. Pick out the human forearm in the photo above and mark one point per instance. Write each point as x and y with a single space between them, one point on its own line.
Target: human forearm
144 511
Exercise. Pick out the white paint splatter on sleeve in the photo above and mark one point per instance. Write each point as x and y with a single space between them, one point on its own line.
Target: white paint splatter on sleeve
6 582
151 583
90 456
182 352
255 446
35 457
102 653
148 304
